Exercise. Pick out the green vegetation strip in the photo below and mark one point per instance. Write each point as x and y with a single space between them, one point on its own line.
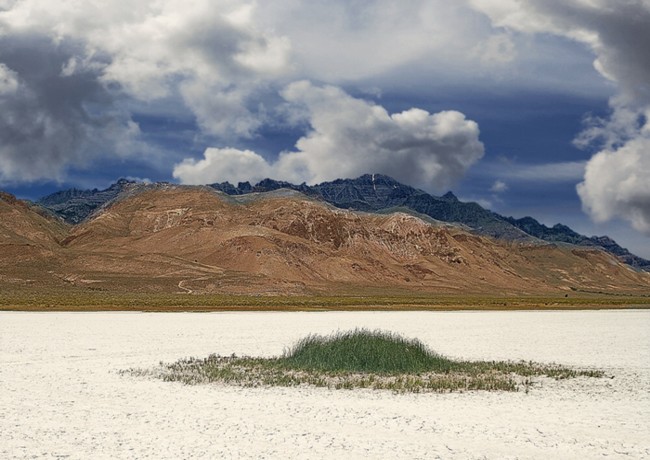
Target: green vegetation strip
362 359
79 300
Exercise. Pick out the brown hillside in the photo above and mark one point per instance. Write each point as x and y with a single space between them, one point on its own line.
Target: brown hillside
29 241
194 239
166 238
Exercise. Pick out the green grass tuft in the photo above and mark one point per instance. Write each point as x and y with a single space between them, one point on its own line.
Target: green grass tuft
362 350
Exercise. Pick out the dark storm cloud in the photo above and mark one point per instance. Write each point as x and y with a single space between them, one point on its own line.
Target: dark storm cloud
51 116
72 76
621 39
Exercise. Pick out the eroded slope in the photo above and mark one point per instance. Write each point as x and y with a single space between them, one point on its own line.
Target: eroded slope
194 239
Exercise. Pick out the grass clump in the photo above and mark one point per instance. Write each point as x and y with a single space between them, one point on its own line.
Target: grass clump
363 351
362 359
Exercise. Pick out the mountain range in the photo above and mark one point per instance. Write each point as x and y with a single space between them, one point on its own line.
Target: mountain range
377 194
270 239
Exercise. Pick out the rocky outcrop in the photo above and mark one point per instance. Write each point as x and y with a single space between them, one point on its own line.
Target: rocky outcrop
562 234
75 205
376 192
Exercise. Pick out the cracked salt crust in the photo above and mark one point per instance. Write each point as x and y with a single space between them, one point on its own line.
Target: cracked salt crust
61 395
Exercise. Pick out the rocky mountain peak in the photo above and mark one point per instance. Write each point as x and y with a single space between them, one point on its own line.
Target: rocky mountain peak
449 196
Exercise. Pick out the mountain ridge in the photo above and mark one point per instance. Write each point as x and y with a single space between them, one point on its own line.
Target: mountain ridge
370 193
177 239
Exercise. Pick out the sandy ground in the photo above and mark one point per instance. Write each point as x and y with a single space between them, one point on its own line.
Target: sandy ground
61 395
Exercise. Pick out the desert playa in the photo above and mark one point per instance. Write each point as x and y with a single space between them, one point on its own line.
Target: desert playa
62 396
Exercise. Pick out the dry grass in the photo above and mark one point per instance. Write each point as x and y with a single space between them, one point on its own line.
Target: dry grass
88 300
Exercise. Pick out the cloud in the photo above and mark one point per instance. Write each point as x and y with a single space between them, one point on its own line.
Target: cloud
617 184
220 63
339 40
499 49
616 180
616 31
8 81
499 187
211 54
349 137
220 165
50 119
564 171
418 44
71 76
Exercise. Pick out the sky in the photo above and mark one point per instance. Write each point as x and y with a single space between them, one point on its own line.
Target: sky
528 107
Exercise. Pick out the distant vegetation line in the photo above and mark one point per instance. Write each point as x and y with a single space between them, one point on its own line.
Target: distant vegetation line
87 301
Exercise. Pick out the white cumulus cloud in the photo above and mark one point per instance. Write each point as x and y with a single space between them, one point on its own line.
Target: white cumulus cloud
617 184
349 137
221 165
